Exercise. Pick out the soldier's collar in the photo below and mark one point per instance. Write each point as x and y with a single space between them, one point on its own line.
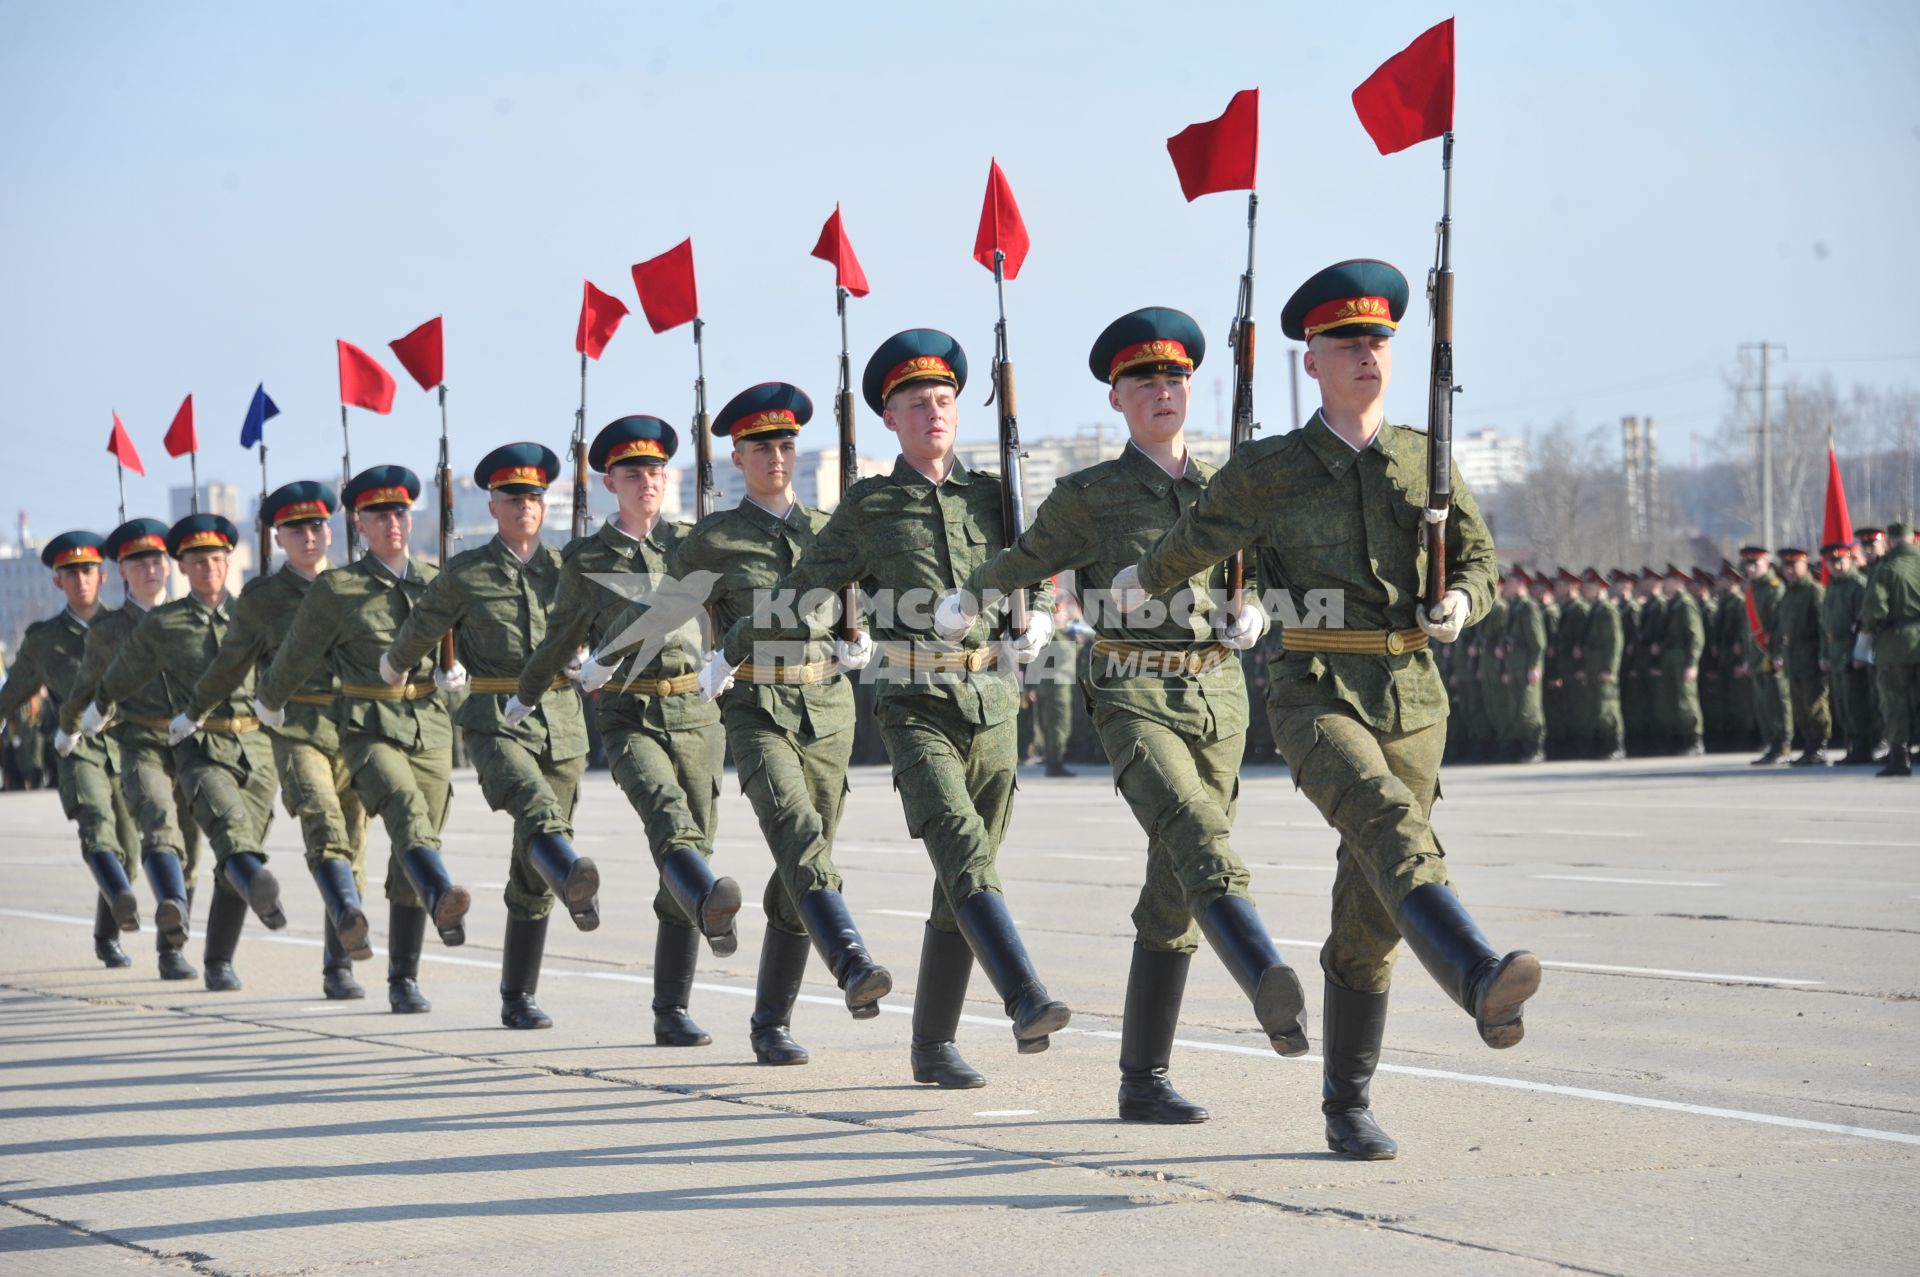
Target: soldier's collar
201 604
504 554
1335 453
764 519
77 619
1149 471
907 477
381 570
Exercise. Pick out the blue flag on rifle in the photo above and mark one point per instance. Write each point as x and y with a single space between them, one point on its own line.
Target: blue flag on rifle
258 411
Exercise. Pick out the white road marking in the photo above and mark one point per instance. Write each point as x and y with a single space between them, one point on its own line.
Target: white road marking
1006 1112
904 1006
1679 975
1560 833
1843 842
1628 882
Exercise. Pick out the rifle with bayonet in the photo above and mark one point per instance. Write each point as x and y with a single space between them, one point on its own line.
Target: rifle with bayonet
1440 391
1014 507
444 478
1241 338
849 466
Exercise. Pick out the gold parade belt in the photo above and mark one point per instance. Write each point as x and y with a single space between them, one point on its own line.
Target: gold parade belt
790 675
495 686
417 691
972 660
1355 642
678 685
1164 661
232 726
311 698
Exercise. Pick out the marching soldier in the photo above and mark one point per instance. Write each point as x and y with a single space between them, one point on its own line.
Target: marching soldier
1169 702
1766 663
49 657
1358 712
315 785
788 718
224 765
1892 617
947 713
397 741
664 744
1800 612
496 598
1523 671
169 839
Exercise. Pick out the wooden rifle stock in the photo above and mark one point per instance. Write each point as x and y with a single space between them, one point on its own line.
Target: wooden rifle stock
849 475
1440 393
444 478
1015 504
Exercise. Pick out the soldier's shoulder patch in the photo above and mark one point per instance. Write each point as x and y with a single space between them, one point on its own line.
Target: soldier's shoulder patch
479 554
865 487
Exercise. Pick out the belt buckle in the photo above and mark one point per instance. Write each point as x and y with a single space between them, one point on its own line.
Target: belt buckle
977 659
1193 662
1394 643
806 674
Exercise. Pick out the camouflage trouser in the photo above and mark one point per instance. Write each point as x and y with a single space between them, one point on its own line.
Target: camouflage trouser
956 782
406 790
1896 681
93 802
1526 729
538 791
317 790
1053 718
1680 711
1812 713
1376 789
797 783
1772 706
232 801
673 781
1856 708
1182 791
159 806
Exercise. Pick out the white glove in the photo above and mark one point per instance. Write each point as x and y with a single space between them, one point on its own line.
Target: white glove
593 675
716 677
180 728
515 713
1448 620
1028 644
451 679
572 671
92 720
390 675
1241 625
954 615
854 655
1127 594
62 743
269 717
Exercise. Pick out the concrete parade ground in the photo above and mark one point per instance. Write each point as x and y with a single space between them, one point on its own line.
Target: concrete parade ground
1721 1071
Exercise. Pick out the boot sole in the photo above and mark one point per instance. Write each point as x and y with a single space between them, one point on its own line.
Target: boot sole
170 920
863 998
1516 979
1365 1155
125 907
449 915
1280 1004
1032 1036
960 1082
263 897
580 894
351 931
716 917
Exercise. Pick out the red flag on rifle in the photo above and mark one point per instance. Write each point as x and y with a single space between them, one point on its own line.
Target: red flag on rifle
363 382
1001 226
600 314
422 353
1837 528
120 444
1222 154
1410 98
666 288
835 247
181 439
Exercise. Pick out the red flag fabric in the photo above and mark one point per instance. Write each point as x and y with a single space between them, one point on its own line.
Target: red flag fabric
1001 226
422 354
363 382
1759 631
835 247
600 314
1222 154
666 288
180 438
1410 98
120 444
1838 526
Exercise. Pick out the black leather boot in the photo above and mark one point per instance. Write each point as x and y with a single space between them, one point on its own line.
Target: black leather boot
1233 927
783 960
1812 756
946 963
406 935
1352 1024
173 902
1898 763
226 916
708 902
106 936
116 893
863 980
446 903
675 950
573 879
336 969
346 920
1154 989
988 927
247 873
173 961
520 974
1491 988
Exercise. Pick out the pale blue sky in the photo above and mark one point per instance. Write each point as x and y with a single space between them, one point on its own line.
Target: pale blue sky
201 196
